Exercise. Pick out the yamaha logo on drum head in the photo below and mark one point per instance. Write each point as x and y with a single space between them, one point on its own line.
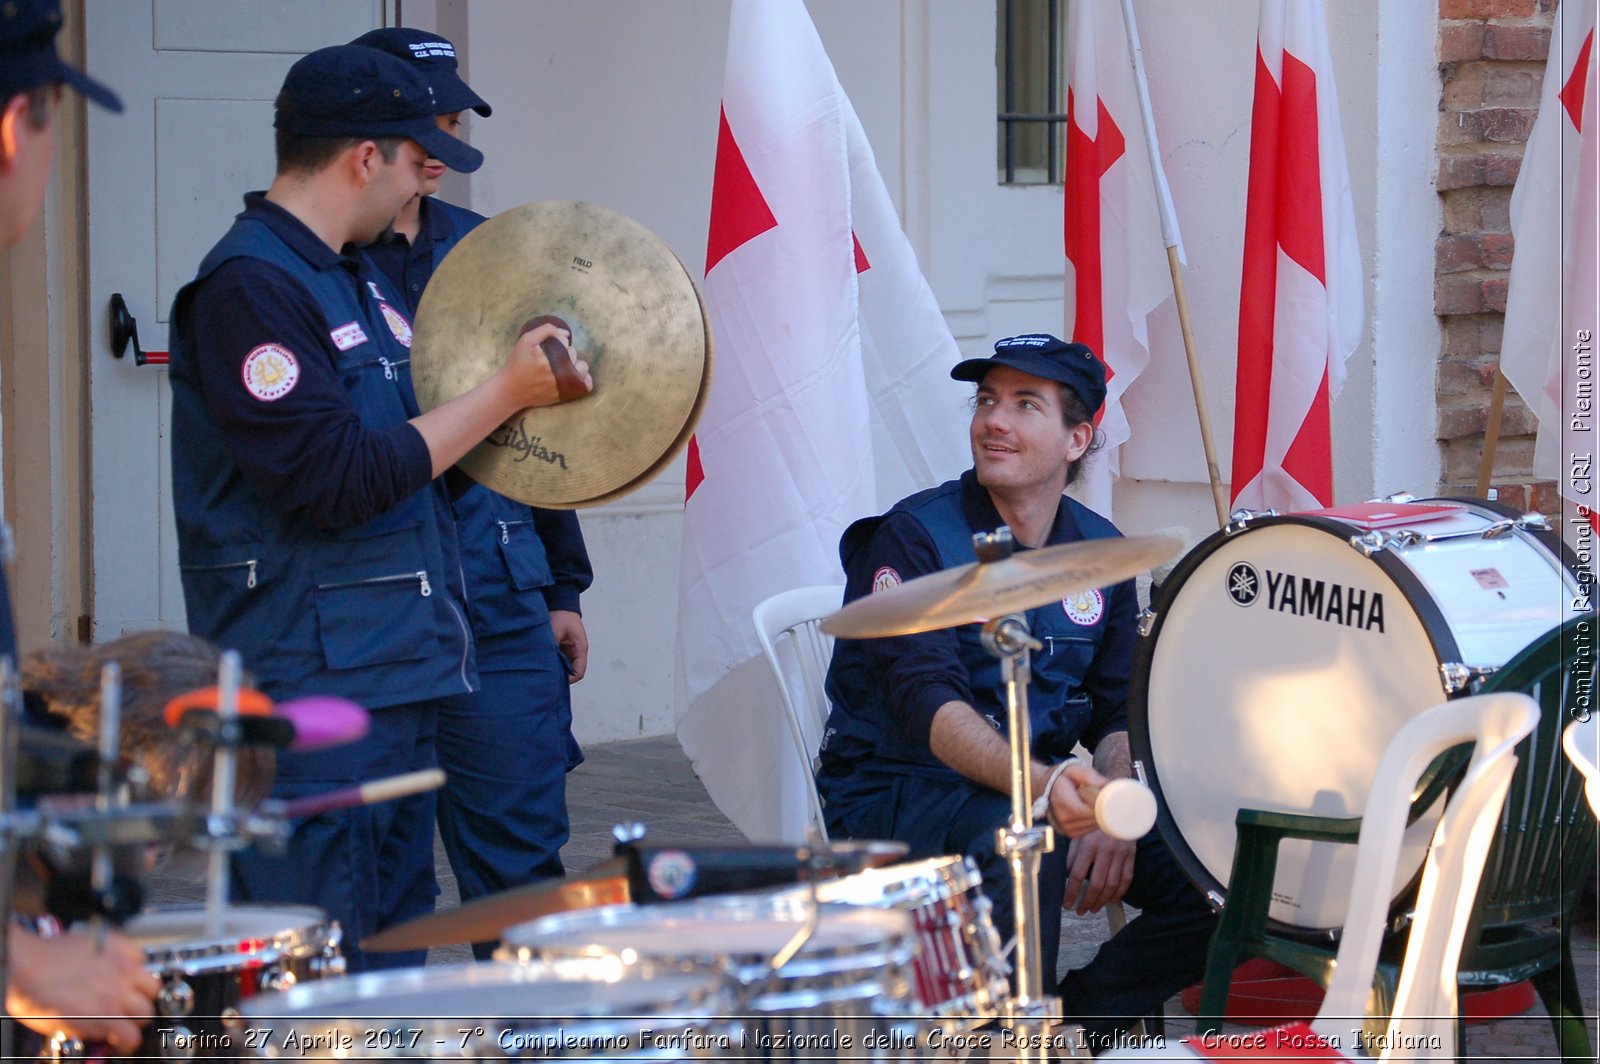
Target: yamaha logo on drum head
1244 583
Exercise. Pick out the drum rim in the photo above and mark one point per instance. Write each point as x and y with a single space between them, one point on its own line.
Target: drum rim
578 934
202 952
711 990
1411 587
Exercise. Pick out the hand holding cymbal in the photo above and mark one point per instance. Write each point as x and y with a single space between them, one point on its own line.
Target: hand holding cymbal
982 590
628 314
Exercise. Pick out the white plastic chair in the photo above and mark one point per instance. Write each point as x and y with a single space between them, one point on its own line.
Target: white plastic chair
1422 1024
1581 741
798 651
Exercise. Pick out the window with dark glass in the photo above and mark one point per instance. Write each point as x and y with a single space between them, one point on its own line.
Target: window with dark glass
1030 60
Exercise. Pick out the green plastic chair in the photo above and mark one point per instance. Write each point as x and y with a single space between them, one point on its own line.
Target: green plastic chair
1542 856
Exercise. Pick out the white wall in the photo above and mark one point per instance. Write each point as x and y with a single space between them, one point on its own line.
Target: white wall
615 101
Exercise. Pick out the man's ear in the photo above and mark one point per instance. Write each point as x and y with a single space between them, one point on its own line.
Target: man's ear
1082 436
364 160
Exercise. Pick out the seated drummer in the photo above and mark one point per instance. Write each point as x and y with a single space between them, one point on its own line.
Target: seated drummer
915 747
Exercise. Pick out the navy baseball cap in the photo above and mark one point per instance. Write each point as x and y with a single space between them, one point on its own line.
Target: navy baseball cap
434 58
28 56
351 91
1043 355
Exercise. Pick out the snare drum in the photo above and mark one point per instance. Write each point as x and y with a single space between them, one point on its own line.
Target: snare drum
584 1007
1285 652
846 992
205 977
959 970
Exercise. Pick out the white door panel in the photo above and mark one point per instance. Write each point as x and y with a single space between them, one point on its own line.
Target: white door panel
197 78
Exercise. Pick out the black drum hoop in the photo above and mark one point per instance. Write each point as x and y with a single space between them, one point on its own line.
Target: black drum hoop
1411 588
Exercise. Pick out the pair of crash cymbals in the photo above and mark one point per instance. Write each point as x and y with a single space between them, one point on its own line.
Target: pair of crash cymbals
635 316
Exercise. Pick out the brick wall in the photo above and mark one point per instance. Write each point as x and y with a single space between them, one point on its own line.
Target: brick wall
1491 60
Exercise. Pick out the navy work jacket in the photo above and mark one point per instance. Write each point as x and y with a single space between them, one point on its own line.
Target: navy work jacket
310 535
885 692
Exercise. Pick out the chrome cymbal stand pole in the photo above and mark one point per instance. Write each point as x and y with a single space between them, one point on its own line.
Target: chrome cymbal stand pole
100 870
1029 1012
223 836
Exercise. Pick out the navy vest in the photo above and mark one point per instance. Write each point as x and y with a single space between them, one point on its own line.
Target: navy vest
1059 712
366 613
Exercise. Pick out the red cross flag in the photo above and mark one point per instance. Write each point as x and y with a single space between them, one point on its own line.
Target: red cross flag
1117 271
830 399
1547 351
1301 307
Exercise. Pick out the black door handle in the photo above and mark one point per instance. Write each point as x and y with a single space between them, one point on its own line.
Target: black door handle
125 331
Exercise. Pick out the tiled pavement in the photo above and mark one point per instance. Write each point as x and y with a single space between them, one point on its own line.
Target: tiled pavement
650 780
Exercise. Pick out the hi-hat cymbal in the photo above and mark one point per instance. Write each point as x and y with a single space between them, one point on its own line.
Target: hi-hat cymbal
982 590
484 920
635 315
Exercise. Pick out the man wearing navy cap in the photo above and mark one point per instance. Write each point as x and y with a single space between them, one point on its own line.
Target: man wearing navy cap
70 983
915 746
505 749
313 534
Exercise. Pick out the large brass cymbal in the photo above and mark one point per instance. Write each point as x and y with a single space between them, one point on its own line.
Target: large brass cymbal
982 590
636 317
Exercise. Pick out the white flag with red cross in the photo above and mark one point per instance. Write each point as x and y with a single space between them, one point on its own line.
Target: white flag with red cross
1301 307
1117 272
1547 349
830 397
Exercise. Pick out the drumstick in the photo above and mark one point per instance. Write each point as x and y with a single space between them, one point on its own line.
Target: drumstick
1123 808
384 790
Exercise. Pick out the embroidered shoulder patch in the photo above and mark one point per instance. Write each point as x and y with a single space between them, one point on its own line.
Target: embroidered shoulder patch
1085 608
270 372
884 579
397 324
347 336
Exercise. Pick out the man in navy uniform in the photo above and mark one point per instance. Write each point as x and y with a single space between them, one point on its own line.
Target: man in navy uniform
314 535
915 747
88 990
506 749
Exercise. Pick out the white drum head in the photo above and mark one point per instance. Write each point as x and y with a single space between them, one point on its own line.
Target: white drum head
177 926
1283 660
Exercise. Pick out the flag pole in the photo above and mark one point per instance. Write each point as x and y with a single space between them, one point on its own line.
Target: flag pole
1491 434
1174 242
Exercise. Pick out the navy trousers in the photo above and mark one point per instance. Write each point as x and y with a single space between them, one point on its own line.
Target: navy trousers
506 751
1139 968
370 867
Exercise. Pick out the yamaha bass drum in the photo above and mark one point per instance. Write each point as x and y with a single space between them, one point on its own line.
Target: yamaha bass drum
1284 652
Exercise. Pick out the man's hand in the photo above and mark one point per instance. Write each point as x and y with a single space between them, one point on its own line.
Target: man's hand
1069 813
1099 870
538 378
65 984
573 641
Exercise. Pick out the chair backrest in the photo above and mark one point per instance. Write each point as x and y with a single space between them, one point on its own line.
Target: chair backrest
1425 999
1581 741
1544 849
798 651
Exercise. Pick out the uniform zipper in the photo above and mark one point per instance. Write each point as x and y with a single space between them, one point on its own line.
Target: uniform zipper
466 642
249 565
391 367
507 526
421 575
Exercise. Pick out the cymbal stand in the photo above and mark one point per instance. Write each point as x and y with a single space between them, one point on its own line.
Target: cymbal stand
1029 1012
223 836
10 707
100 869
